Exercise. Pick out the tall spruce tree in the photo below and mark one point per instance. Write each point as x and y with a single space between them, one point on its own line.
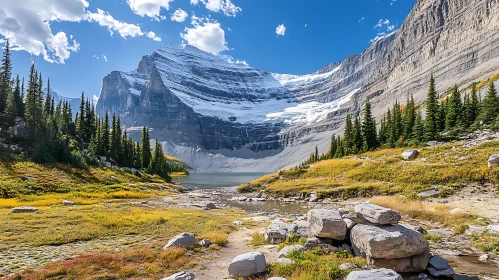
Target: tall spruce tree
418 130
454 109
348 135
431 121
357 136
409 117
369 129
10 112
5 77
490 105
18 98
146 148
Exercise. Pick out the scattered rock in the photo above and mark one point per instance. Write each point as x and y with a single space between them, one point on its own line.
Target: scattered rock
248 264
182 240
377 214
416 263
387 242
205 243
440 267
458 210
258 195
347 266
303 228
327 224
313 197
493 228
484 258
181 276
28 178
238 223
284 252
410 154
493 161
211 205
284 261
24 209
415 228
67 203
277 232
374 274
430 193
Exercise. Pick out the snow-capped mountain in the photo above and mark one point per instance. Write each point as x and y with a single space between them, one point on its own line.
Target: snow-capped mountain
221 116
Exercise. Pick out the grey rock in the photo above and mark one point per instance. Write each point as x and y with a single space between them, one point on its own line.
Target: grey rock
303 228
423 276
449 272
314 242
415 228
182 240
205 243
181 276
313 197
413 264
285 261
68 203
24 209
410 154
258 195
349 223
347 266
356 217
374 274
438 263
327 224
428 194
277 232
387 242
284 252
248 264
377 214
484 258
493 228
238 223
493 161
211 205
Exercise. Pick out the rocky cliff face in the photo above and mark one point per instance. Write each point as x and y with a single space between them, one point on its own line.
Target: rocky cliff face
220 116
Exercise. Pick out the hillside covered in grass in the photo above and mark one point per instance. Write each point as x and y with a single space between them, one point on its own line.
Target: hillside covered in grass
449 166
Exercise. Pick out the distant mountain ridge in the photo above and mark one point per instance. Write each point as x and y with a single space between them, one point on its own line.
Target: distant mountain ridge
219 116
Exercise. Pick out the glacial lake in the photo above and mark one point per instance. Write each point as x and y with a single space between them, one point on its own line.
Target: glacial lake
217 179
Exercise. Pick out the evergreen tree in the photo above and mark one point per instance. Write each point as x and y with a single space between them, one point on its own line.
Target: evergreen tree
454 108
48 100
348 135
418 130
10 113
105 135
5 77
398 127
409 117
316 154
475 105
146 148
369 129
490 105
431 121
357 136
80 121
333 148
18 98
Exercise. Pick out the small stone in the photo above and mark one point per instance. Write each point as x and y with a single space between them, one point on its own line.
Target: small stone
181 276
211 206
449 272
285 261
428 194
238 223
374 274
68 202
205 243
493 161
410 154
258 195
313 197
438 263
423 276
24 209
484 258
347 266
284 252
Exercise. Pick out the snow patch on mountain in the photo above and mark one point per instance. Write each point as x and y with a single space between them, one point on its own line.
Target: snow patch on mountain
289 80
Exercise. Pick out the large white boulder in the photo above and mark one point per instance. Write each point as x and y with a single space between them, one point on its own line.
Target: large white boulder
327 224
377 214
284 252
410 154
374 274
493 161
387 242
277 232
182 240
248 264
181 276
493 228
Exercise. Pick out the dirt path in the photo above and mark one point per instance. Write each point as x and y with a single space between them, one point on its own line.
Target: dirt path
216 265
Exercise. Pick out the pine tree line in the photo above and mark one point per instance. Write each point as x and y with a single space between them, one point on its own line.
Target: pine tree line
51 134
404 125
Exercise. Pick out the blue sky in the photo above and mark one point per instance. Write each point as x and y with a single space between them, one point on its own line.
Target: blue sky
71 40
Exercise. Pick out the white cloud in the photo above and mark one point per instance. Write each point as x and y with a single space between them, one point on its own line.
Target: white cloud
179 15
393 2
104 57
232 60
26 24
124 29
280 30
382 22
361 19
219 6
390 28
149 8
306 24
229 29
205 34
